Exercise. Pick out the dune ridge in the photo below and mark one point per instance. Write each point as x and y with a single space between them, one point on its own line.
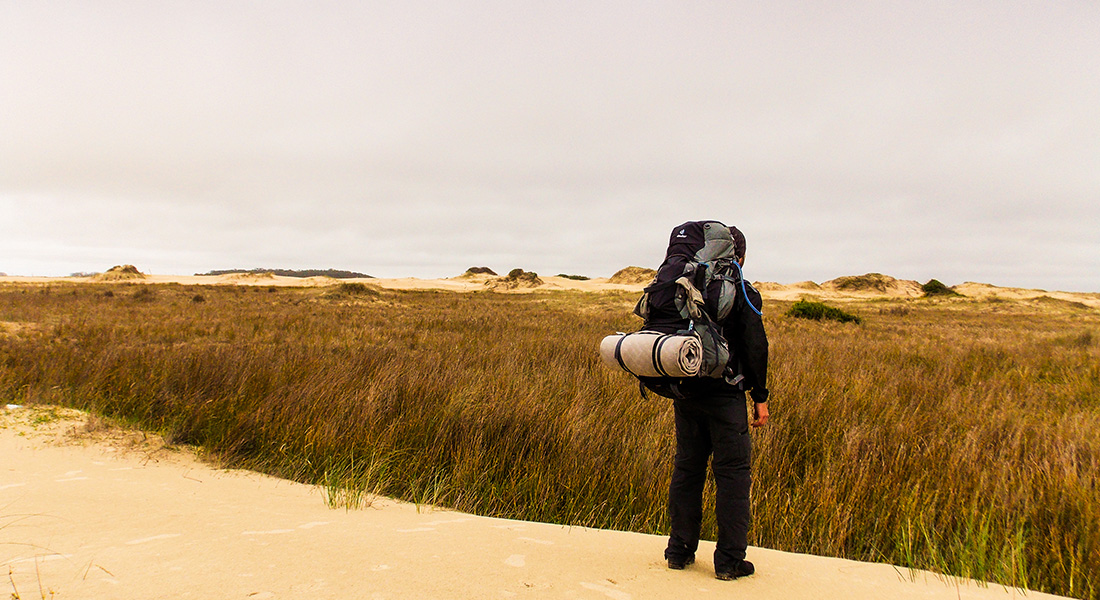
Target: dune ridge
855 287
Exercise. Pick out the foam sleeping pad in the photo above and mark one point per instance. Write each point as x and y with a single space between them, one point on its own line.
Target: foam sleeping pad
653 354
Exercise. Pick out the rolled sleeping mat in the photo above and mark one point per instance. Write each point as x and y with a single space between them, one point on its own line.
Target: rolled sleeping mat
653 354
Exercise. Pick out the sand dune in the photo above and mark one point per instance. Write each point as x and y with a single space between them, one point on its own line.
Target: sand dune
860 287
115 514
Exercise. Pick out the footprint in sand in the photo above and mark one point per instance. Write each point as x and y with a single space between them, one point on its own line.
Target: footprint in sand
608 591
309 525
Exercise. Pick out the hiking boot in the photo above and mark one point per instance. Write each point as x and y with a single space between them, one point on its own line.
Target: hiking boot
678 564
741 568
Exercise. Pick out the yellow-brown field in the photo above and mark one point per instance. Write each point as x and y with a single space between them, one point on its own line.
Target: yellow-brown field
957 435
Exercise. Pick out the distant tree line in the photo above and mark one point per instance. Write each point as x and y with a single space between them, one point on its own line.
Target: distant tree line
334 273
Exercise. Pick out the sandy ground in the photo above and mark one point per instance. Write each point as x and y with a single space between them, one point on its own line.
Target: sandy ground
114 514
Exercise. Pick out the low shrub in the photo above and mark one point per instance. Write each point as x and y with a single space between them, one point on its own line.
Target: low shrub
805 309
480 271
935 288
356 288
144 294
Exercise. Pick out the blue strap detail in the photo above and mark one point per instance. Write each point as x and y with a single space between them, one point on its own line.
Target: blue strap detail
747 301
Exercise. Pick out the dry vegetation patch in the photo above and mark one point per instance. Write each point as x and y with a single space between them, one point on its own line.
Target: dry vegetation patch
1060 303
10 328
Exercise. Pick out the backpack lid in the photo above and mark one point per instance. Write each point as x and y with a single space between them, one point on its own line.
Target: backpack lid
701 241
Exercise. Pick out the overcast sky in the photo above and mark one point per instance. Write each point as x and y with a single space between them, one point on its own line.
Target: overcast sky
954 140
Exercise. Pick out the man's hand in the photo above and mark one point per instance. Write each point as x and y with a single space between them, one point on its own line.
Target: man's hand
759 414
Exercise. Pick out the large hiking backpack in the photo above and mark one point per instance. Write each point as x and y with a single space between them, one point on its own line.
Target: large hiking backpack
692 294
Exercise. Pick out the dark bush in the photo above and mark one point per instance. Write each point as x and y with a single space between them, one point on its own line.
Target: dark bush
519 276
935 288
481 271
805 309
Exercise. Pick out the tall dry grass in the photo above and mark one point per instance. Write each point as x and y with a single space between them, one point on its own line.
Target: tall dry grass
946 434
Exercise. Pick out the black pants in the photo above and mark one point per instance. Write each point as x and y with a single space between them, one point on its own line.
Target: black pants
715 423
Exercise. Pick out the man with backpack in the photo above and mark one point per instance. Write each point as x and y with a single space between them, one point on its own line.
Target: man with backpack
703 267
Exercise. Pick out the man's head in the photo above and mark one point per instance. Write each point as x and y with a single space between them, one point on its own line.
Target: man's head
738 244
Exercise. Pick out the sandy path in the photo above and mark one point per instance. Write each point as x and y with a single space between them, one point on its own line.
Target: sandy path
112 516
